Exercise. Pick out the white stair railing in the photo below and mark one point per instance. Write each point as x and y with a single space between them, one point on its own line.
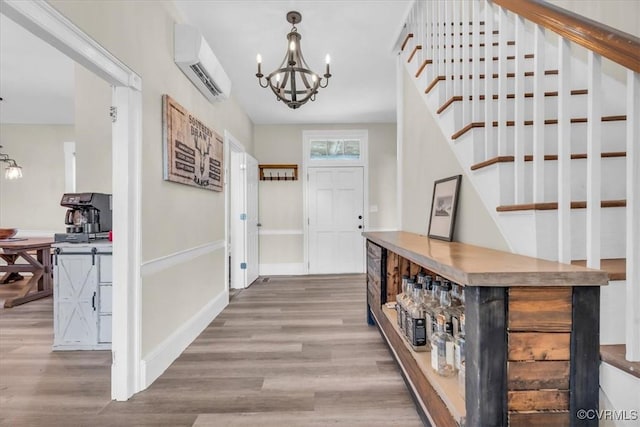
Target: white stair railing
450 34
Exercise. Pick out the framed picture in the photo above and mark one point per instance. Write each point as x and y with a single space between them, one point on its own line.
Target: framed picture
443 208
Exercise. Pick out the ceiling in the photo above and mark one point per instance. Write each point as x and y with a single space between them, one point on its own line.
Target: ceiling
358 34
37 81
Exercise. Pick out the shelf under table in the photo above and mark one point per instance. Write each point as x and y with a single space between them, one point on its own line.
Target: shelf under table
446 387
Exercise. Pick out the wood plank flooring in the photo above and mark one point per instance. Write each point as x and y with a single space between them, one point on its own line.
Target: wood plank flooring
288 351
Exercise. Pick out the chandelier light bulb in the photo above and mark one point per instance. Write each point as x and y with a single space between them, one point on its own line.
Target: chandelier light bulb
314 78
327 59
13 172
292 46
259 59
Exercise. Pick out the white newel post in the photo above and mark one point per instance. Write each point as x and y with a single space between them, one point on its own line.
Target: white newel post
633 217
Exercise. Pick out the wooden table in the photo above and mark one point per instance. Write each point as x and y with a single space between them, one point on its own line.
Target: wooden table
40 285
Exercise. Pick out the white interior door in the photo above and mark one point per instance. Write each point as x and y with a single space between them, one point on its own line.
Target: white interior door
237 174
336 209
252 222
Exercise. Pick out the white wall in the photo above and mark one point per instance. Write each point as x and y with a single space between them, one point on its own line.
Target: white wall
33 202
175 217
281 201
93 132
427 157
623 15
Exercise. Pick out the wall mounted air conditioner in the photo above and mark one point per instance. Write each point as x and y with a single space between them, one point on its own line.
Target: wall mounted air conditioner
197 61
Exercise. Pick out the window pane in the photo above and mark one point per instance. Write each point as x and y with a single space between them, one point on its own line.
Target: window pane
335 149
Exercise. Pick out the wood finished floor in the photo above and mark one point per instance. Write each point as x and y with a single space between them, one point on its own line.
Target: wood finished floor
285 352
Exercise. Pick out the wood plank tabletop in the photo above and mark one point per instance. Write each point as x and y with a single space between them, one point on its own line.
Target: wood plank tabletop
477 266
29 243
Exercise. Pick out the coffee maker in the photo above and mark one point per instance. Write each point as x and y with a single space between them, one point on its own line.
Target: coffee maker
88 217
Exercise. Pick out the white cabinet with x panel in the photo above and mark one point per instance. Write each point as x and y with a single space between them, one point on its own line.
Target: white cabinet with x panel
82 296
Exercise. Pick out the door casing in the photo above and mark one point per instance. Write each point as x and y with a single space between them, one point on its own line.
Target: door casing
307 137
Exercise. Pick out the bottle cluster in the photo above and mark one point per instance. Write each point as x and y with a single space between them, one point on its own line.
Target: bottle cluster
430 313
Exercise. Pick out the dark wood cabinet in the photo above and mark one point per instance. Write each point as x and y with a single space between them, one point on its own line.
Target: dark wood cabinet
531 331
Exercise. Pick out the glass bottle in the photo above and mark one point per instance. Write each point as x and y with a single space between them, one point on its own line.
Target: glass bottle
445 306
459 344
407 306
400 300
442 358
457 307
432 308
417 333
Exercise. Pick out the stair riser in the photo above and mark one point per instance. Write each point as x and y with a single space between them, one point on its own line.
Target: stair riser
612 317
614 138
613 170
535 233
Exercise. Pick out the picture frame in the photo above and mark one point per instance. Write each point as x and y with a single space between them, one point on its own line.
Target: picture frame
444 205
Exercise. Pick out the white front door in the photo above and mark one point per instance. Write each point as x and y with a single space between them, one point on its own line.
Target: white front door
252 242
336 209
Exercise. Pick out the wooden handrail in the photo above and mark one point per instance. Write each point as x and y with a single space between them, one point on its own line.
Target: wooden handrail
609 42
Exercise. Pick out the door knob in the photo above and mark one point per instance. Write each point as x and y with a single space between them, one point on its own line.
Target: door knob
259 225
359 216
360 227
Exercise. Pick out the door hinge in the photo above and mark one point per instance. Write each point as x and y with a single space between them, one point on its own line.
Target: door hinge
243 216
113 113
308 221
243 266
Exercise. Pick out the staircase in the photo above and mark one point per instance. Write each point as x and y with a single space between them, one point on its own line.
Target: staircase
547 134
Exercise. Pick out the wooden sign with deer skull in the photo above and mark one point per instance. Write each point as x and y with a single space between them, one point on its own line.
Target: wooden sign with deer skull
193 152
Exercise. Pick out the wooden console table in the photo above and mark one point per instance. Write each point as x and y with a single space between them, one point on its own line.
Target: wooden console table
40 283
532 340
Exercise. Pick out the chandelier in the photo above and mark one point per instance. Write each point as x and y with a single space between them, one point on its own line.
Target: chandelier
13 171
293 82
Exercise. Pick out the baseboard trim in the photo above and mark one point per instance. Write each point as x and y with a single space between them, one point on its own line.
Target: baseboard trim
157 265
289 269
152 366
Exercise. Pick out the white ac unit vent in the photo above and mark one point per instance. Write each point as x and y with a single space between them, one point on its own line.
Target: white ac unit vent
197 61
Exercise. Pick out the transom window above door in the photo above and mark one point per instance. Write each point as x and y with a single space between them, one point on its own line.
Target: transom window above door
331 148
335 149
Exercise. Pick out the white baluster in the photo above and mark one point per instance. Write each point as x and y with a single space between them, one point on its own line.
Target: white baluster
448 51
564 152
519 145
633 217
490 146
503 106
475 58
466 66
432 70
538 114
457 49
594 161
